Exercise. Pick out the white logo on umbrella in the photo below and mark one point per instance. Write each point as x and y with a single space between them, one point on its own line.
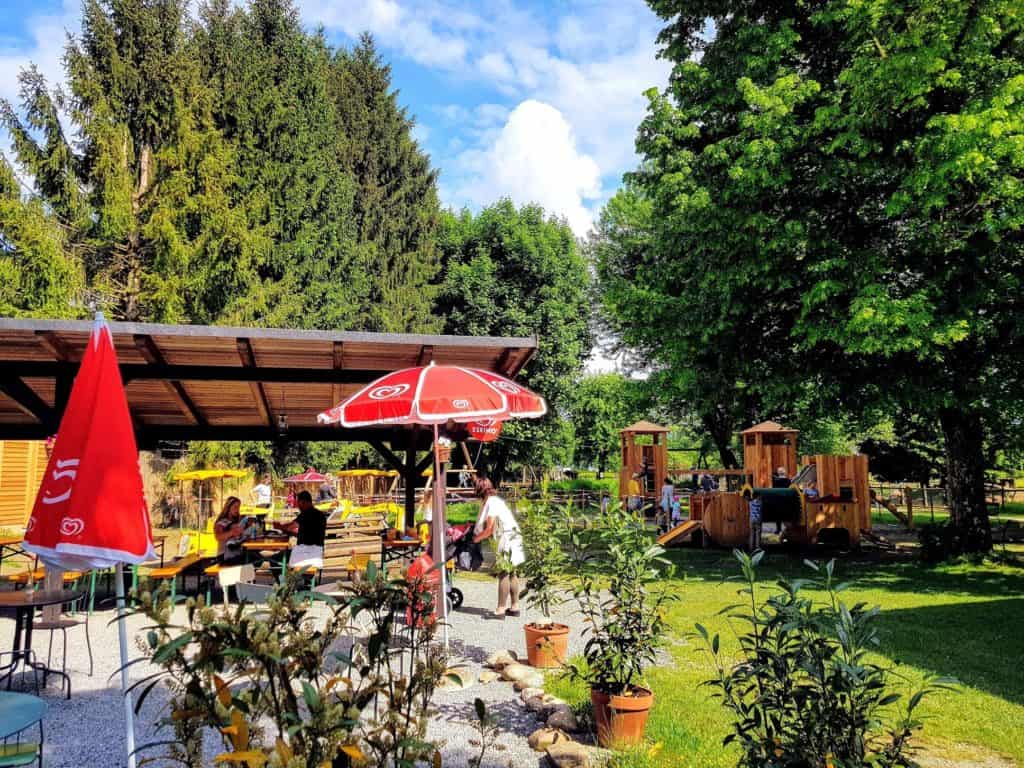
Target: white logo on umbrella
388 391
460 404
508 386
31 524
71 526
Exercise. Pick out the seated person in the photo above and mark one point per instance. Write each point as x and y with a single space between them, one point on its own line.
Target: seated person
811 490
229 529
780 479
309 529
325 492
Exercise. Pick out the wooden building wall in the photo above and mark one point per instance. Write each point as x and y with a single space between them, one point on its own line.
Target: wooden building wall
22 464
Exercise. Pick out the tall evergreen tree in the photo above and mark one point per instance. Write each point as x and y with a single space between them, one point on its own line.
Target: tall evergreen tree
395 209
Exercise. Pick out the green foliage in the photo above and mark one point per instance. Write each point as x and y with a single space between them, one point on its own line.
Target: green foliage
277 683
805 691
517 272
603 404
616 567
544 546
395 208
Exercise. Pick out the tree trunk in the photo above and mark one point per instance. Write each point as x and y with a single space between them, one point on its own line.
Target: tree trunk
601 459
965 478
719 426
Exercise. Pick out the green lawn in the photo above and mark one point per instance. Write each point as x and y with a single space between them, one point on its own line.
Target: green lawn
960 620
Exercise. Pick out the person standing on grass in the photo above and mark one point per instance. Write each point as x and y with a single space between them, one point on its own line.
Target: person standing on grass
496 521
668 494
262 493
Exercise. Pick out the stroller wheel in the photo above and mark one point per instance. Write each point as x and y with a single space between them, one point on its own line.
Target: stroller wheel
455 598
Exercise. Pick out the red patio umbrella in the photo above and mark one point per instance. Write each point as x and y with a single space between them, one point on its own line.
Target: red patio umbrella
309 476
91 510
436 394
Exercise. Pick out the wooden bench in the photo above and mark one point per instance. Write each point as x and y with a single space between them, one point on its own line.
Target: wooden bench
174 569
351 545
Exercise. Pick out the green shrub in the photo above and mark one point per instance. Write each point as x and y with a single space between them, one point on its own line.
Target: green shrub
546 558
621 590
804 693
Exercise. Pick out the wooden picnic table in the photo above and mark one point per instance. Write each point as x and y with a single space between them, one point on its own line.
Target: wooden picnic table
10 546
399 548
278 546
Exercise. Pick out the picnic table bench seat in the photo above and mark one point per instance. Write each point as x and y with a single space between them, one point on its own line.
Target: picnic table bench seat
172 570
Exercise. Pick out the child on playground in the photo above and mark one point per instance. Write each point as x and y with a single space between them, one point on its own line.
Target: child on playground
755 523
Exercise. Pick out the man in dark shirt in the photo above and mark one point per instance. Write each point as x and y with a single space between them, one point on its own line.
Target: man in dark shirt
309 529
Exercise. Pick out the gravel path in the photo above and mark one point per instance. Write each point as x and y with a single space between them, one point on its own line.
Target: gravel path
88 730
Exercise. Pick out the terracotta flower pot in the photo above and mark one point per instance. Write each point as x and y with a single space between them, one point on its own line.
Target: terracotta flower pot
621 720
546 645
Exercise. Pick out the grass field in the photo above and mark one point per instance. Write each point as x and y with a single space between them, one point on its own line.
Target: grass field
962 620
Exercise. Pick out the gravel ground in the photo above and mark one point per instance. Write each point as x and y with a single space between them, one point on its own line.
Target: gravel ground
88 730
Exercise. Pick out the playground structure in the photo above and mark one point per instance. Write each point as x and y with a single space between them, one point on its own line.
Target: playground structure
826 498
644 463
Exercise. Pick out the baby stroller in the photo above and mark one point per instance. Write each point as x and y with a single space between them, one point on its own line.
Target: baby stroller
460 552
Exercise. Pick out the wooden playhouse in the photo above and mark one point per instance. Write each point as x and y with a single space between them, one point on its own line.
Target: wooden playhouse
826 497
644 467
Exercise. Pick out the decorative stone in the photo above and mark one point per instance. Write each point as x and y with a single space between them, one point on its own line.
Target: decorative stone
544 704
543 738
516 671
569 754
562 717
535 680
501 659
489 676
530 693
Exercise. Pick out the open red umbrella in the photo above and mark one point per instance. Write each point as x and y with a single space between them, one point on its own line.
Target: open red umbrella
436 394
91 510
309 476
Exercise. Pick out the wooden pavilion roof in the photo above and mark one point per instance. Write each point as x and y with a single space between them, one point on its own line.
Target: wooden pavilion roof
190 382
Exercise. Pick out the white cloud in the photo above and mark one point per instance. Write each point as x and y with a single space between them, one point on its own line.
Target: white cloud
495 65
534 159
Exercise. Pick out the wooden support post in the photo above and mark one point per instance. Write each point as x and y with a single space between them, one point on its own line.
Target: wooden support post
410 473
908 493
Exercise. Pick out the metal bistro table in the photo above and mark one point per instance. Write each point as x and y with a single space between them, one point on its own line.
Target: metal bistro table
24 603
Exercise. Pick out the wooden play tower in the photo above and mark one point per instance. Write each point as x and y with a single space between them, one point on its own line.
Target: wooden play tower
644 463
766 447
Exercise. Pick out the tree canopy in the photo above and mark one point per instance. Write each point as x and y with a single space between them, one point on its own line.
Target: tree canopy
835 196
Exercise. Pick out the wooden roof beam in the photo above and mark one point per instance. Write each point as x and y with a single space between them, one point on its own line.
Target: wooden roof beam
27 399
259 394
338 357
151 354
55 345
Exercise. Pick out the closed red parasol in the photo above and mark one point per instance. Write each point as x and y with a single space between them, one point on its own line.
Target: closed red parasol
91 511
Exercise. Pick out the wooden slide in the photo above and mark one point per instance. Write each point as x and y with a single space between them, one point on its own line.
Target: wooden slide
684 529
892 508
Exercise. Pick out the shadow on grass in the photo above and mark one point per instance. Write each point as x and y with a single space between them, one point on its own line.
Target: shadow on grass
979 643
881 571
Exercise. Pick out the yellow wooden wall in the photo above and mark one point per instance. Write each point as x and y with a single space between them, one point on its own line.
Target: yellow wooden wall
22 464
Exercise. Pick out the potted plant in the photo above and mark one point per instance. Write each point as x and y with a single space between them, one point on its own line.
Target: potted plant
546 560
616 565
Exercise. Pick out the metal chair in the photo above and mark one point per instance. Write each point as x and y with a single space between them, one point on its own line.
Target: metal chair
18 713
62 624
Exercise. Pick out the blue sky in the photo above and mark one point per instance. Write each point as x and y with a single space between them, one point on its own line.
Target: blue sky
538 101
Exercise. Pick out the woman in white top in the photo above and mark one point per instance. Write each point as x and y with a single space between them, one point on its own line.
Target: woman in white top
496 521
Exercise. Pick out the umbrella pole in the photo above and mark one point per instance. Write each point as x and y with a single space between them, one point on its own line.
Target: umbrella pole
122 635
437 537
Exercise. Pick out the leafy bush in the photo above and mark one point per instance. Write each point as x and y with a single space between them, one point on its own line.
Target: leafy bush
282 687
608 484
546 557
615 565
804 693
